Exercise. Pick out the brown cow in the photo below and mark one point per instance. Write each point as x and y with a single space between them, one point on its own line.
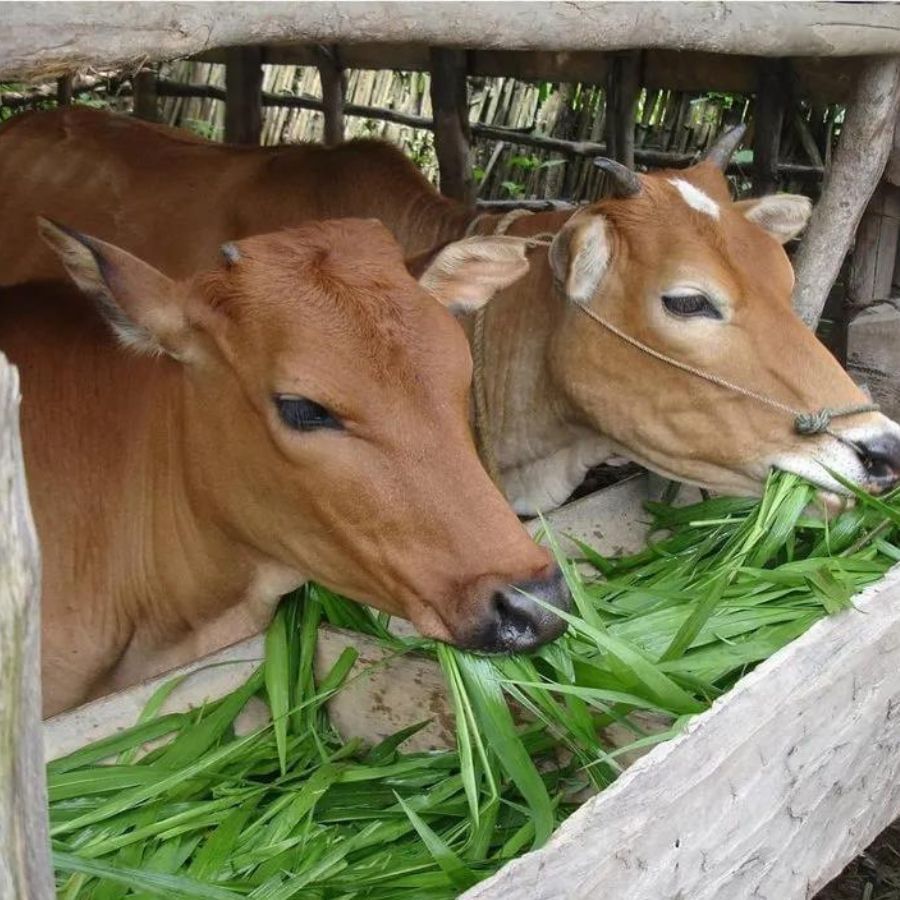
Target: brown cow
299 412
675 264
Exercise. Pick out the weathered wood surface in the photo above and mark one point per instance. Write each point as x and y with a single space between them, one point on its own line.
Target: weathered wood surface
334 86
674 70
769 794
64 85
875 249
772 93
859 161
146 101
39 38
873 337
24 843
622 87
243 95
450 105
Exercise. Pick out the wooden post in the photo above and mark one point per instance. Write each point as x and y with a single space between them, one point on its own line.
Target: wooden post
25 871
64 90
875 251
622 86
772 93
859 161
334 87
450 105
145 99
243 95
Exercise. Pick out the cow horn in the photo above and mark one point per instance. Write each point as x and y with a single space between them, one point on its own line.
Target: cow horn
722 150
622 181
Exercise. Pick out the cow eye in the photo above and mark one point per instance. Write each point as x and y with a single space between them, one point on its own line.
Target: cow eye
302 414
690 305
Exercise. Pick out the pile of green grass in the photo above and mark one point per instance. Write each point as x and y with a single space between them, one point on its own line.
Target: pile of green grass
291 810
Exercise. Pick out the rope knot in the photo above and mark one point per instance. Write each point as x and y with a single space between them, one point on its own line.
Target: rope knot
812 423
818 422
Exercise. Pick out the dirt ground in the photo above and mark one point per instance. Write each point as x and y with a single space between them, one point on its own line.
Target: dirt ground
873 876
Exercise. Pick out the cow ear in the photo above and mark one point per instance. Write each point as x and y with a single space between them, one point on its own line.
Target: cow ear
139 302
783 216
580 255
464 275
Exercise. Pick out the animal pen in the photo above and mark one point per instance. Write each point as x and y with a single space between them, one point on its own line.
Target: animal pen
794 771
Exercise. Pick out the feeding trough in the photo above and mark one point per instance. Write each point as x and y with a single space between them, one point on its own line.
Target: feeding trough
773 790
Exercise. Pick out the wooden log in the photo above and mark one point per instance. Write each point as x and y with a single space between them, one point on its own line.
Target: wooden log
875 250
622 86
25 872
146 102
866 140
334 88
807 141
772 91
872 339
892 170
666 69
64 86
450 106
243 92
50 39
768 794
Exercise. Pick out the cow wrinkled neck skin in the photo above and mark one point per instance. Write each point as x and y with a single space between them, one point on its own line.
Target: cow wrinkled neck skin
542 445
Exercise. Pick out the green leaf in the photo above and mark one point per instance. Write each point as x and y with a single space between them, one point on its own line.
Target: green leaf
157 885
277 679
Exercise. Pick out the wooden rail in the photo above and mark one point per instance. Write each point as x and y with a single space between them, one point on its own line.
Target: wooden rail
50 39
643 156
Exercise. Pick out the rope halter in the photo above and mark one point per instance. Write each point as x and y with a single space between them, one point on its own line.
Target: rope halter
806 424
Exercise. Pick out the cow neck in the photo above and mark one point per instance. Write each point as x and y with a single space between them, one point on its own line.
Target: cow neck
188 569
539 448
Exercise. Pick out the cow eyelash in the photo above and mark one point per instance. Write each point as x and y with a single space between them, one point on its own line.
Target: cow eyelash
689 306
301 414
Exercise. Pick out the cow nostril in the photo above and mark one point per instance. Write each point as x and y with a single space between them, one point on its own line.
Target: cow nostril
881 457
522 615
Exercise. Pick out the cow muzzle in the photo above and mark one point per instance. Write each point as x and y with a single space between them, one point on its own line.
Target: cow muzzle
880 456
520 617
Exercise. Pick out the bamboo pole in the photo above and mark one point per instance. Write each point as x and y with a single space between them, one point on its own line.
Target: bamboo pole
25 872
859 162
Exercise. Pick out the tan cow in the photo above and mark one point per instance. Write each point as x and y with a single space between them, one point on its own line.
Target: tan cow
299 412
672 262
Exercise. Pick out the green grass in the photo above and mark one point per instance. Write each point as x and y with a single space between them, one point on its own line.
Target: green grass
292 810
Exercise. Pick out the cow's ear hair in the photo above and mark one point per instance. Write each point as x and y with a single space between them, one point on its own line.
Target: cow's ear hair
580 255
464 275
139 302
783 216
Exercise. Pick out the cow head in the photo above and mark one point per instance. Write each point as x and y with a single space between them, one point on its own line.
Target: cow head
672 261
324 418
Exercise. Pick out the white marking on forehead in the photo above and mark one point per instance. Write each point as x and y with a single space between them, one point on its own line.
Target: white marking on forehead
695 198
